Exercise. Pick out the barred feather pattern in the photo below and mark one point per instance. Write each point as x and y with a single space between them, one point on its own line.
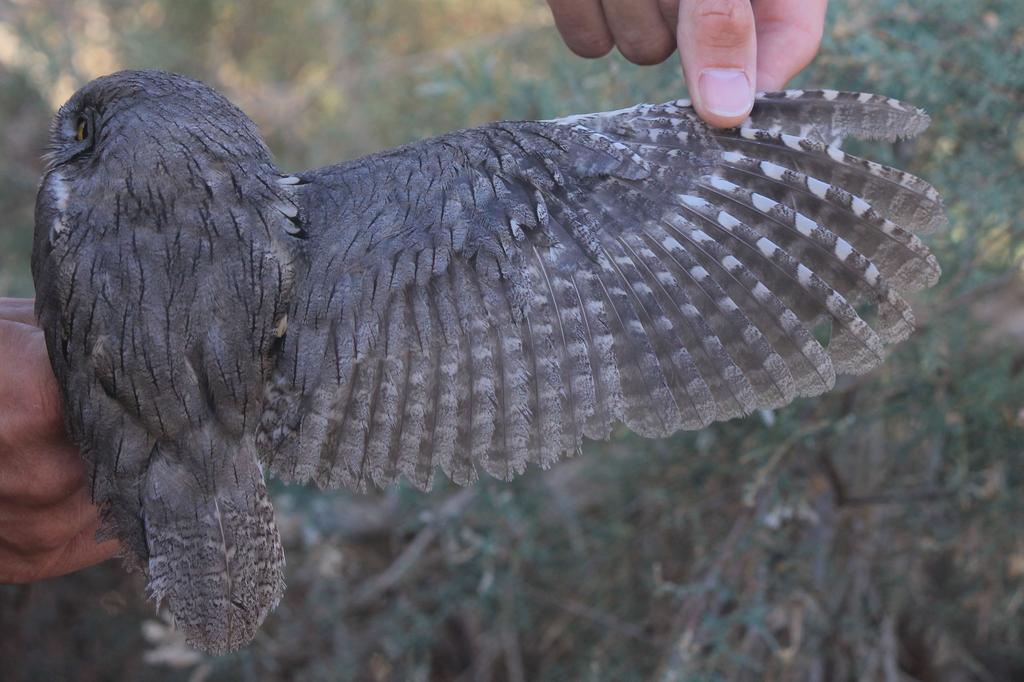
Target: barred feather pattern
493 297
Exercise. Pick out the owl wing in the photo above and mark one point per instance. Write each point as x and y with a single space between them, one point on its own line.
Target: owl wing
492 297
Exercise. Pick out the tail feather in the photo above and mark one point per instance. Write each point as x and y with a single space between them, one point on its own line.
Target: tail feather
215 555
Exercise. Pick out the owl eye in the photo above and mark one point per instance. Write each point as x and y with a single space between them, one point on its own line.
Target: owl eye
82 130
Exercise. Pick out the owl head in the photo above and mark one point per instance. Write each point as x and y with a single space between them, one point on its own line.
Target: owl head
140 145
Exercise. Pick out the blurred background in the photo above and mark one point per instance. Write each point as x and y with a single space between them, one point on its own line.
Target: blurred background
874 534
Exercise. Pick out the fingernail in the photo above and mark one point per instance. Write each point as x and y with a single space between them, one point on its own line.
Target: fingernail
726 92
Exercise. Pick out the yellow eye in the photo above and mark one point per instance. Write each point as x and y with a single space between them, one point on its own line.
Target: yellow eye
81 129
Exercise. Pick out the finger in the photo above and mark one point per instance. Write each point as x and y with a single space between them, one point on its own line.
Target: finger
18 310
29 397
583 26
41 477
82 552
35 532
79 551
718 50
639 30
670 14
788 36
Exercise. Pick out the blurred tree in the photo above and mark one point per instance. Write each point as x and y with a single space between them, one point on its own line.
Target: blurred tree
874 534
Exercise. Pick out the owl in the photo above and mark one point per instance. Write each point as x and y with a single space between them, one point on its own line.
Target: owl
474 303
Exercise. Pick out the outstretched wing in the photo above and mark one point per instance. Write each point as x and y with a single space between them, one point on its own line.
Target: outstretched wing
489 298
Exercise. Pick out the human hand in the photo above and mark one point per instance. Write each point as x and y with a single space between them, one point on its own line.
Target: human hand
47 523
728 48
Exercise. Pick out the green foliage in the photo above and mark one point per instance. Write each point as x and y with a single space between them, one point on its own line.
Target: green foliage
869 534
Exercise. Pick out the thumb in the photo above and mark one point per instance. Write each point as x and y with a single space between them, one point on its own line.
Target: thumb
718 49
18 310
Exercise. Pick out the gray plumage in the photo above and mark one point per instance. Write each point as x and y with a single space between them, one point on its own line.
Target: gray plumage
476 302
